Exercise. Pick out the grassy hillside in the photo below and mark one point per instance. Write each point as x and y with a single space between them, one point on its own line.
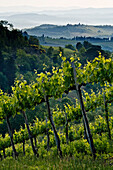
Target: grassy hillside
69 31
55 163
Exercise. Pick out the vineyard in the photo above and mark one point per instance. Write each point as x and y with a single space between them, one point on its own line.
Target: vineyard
58 134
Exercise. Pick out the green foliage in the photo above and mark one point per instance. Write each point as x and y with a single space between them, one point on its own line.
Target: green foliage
79 46
33 40
50 51
99 70
53 84
80 162
70 46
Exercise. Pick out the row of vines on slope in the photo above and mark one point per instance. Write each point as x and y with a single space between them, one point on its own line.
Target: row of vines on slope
54 85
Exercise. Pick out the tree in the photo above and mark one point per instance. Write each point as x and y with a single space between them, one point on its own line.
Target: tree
3 82
87 45
10 70
70 46
79 46
33 40
1 62
61 50
50 51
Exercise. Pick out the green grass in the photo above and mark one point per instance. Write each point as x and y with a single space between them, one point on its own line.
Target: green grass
55 163
50 161
74 155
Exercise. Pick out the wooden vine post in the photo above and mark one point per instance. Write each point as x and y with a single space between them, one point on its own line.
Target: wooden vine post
30 135
66 126
23 147
4 154
53 127
11 137
48 138
79 94
107 119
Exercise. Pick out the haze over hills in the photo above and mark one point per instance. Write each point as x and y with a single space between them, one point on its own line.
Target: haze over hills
70 31
26 16
30 19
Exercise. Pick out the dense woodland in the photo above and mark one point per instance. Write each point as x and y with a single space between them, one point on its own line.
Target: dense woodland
45 94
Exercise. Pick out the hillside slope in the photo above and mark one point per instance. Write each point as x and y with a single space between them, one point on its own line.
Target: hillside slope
70 31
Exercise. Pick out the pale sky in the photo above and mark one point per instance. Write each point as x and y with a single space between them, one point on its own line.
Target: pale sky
59 3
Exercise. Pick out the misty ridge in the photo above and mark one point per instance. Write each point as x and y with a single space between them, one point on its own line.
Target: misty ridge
27 17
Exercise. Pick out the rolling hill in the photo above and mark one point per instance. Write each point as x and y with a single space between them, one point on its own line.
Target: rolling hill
70 31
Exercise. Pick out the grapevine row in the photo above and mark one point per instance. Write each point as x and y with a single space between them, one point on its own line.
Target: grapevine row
51 85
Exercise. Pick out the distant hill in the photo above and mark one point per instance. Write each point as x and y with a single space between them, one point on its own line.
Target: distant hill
27 17
70 31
